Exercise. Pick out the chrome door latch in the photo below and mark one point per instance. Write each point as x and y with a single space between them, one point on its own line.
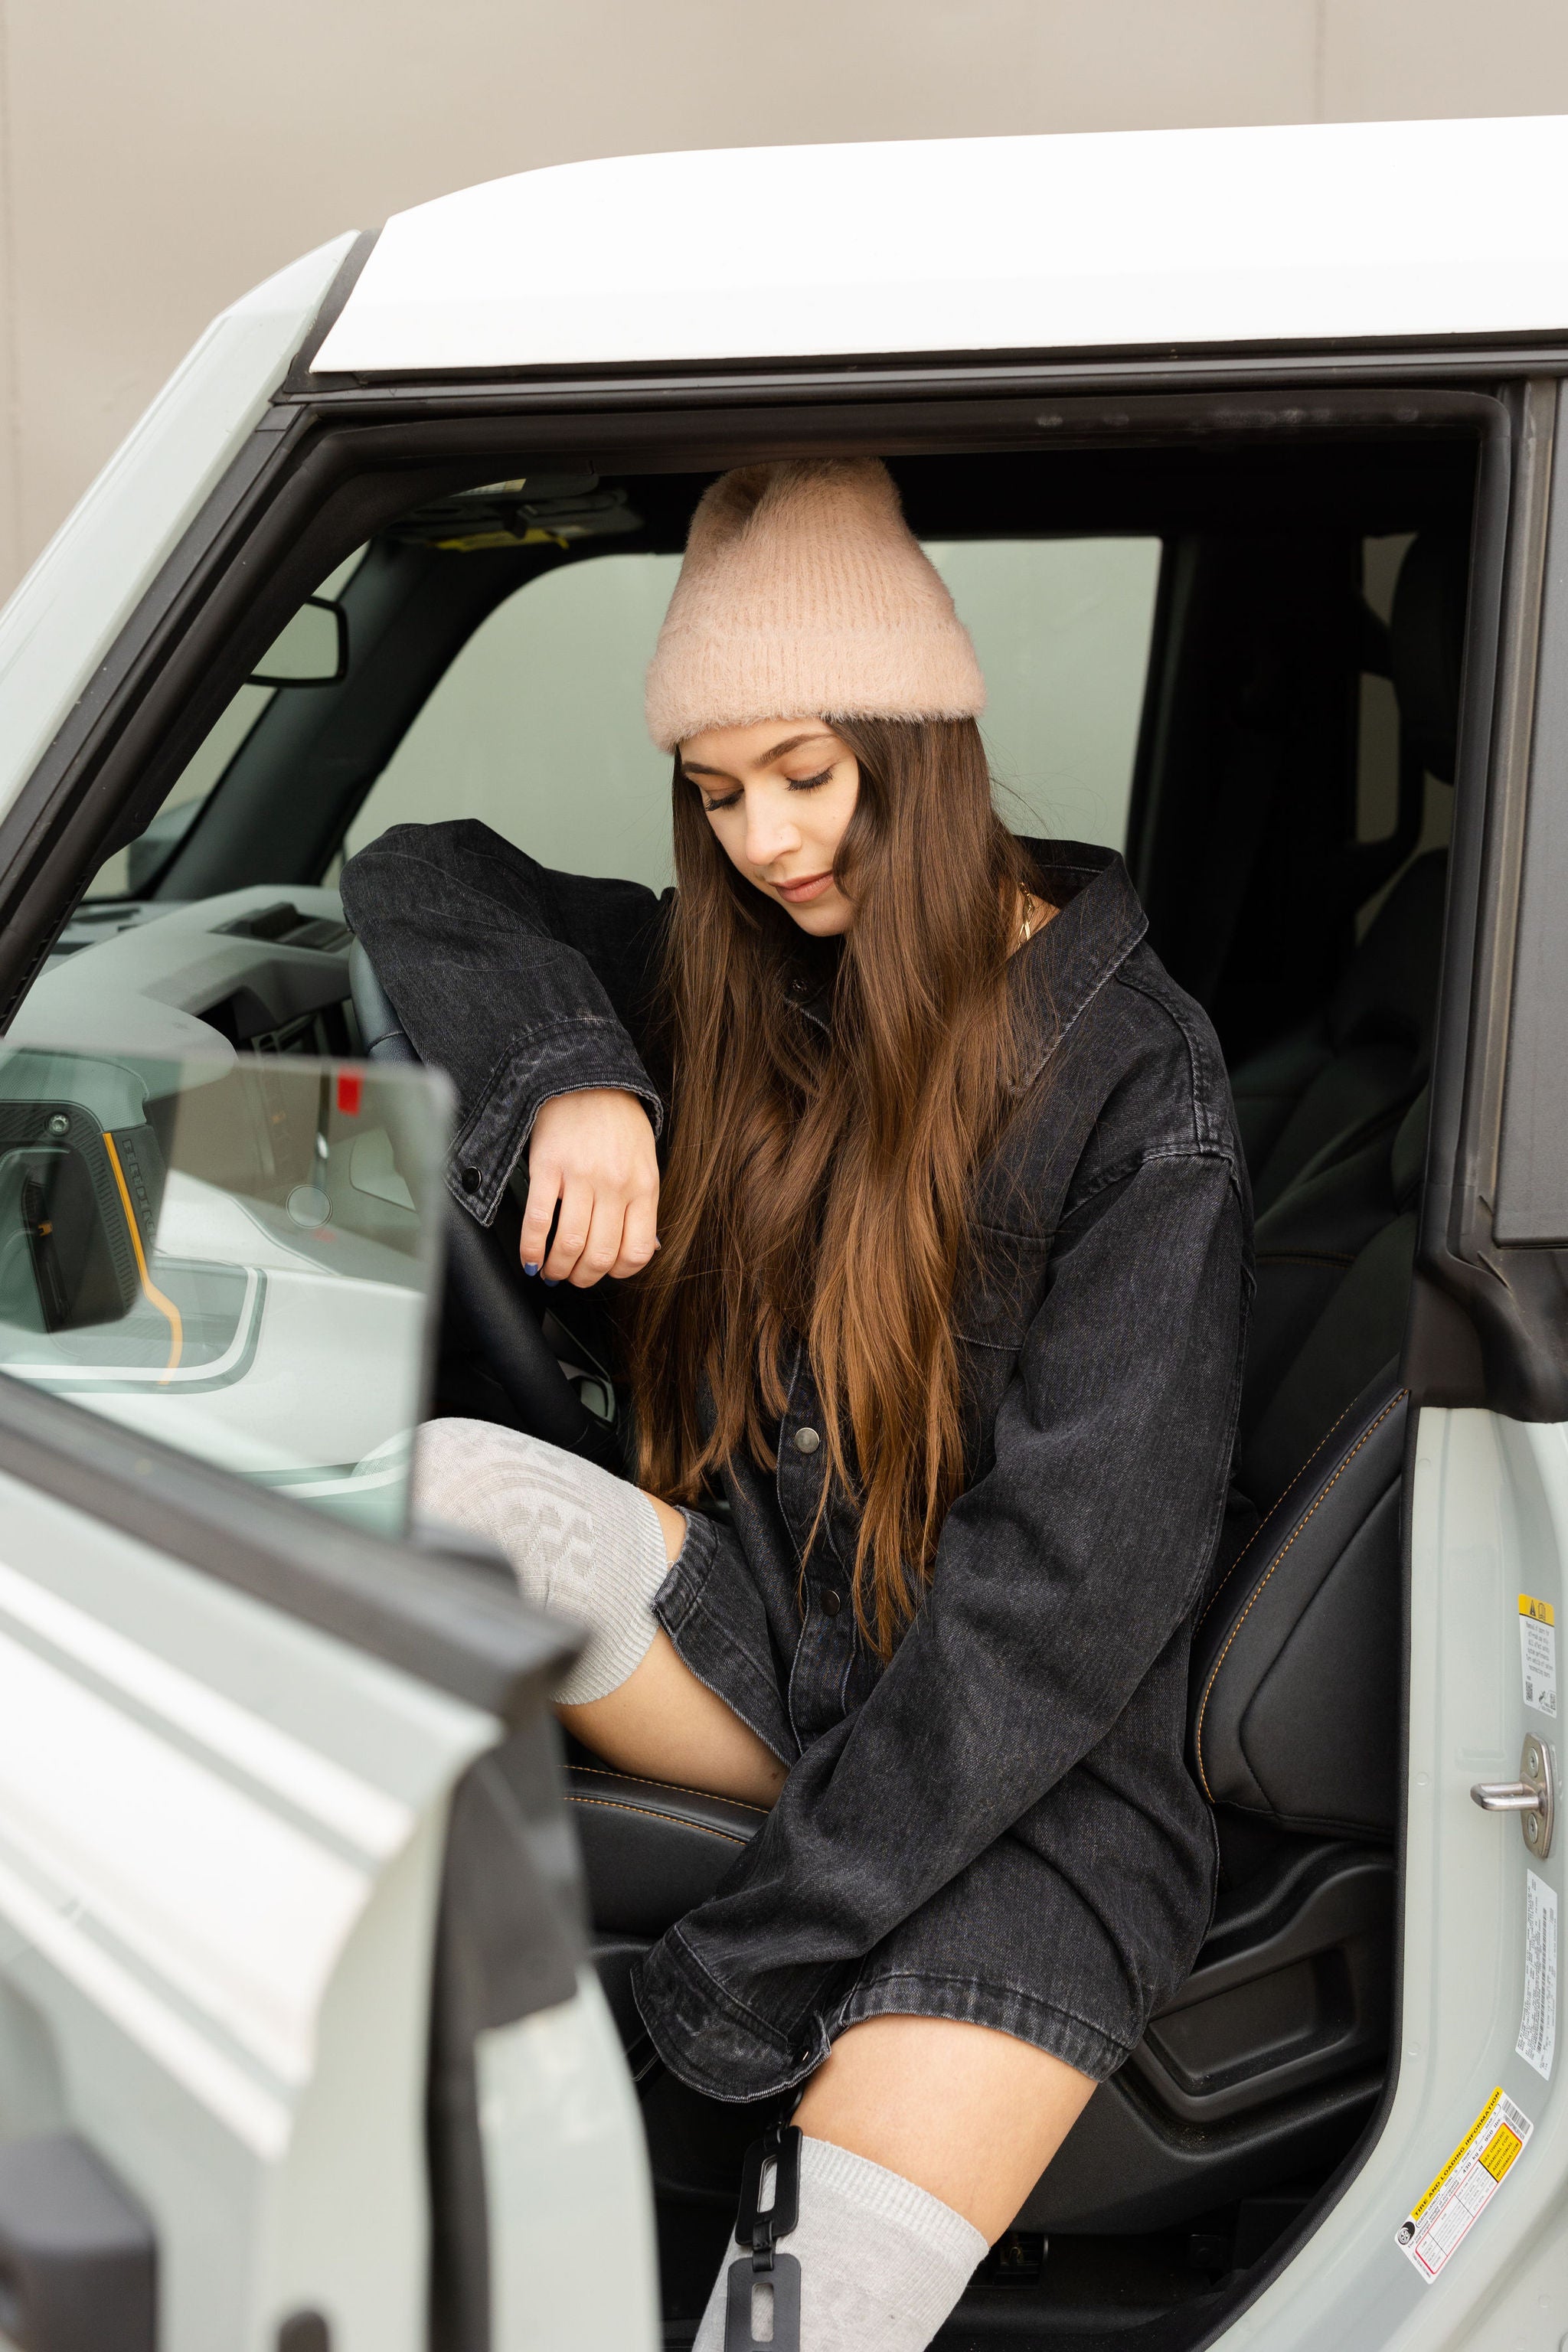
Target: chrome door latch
1534 1796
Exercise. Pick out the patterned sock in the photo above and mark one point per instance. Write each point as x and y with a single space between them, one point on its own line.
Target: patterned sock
579 1541
881 2262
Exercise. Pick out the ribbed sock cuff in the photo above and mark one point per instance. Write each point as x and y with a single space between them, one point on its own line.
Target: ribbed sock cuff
924 2250
882 2263
887 2197
630 1565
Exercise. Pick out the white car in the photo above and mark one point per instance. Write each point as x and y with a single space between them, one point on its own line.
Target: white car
1238 450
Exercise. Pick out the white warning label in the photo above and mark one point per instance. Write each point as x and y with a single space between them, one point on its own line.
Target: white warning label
1538 1654
1538 2026
1465 2187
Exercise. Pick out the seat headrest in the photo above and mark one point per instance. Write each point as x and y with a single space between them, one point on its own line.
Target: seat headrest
1390 985
1427 636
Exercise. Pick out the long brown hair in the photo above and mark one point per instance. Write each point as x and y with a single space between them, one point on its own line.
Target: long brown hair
819 1187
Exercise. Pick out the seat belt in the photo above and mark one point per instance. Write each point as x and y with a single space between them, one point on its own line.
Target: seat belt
777 2154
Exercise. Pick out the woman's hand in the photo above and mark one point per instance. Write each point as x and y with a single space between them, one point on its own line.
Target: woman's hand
591 1151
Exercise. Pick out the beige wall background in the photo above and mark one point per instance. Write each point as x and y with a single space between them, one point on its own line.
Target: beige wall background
158 158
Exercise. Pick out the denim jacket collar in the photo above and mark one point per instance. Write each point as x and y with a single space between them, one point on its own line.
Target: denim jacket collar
1097 924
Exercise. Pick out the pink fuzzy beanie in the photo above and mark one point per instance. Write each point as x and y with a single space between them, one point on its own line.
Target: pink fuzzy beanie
804 594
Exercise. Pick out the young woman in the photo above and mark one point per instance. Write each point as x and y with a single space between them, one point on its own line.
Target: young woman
940 1301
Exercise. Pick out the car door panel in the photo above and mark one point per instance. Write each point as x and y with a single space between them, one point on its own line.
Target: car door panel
219 1871
223 1851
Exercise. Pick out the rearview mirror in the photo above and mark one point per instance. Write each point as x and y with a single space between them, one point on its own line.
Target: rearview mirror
312 649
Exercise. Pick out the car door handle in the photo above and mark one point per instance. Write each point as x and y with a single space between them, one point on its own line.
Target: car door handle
1534 1796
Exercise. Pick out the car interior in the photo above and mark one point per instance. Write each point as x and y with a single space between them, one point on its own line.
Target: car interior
1238 662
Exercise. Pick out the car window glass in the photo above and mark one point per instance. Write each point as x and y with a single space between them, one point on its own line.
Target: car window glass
231 1253
131 871
1062 627
537 728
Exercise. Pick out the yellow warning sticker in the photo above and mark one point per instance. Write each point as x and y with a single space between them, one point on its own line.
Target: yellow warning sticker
1500 2150
1538 1653
1437 2221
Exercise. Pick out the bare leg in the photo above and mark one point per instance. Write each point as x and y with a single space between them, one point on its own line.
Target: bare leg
970 2114
664 1723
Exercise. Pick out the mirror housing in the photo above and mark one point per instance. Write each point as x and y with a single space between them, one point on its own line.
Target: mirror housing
80 1187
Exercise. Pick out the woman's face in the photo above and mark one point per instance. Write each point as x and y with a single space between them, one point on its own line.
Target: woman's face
779 795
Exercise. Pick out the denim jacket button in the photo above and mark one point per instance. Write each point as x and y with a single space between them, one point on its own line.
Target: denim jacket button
806 1440
831 1604
470 1180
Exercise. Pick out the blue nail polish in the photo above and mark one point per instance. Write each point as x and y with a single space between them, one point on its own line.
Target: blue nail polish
551 1282
530 1268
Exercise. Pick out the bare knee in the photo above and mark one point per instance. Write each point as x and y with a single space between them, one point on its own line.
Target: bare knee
663 1722
672 1526
970 2114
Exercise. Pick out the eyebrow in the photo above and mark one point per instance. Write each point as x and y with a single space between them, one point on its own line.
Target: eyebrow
790 743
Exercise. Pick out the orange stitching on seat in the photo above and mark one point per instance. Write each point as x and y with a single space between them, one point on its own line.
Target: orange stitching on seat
647 1814
1333 1482
1263 1522
605 1772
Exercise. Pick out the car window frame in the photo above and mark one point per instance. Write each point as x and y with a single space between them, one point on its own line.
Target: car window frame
337 464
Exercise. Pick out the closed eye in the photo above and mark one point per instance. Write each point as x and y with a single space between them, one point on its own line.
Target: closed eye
797 784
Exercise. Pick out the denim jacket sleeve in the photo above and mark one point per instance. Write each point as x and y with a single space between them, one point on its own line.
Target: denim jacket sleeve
1062 1573
521 983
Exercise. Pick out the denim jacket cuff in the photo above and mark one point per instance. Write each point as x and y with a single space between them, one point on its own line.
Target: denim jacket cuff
712 2041
567 1057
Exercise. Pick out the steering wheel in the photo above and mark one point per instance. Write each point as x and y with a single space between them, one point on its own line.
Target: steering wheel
485 1277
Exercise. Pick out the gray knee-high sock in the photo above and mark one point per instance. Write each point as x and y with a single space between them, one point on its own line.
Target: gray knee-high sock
579 1541
881 2262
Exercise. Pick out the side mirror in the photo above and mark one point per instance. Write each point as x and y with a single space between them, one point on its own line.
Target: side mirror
312 649
81 1183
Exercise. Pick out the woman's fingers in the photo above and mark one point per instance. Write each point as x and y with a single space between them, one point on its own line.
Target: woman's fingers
591 1157
602 1246
543 1193
572 1227
638 1235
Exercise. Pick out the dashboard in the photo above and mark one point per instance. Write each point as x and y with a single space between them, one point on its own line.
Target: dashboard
264 968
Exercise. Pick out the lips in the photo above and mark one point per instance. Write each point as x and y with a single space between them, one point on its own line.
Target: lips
808 887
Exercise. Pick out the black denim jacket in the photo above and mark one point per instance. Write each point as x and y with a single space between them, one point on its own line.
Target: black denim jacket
1000 1824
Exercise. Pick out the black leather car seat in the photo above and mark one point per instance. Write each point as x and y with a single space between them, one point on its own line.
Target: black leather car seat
1295 1674
1334 1256
1295 1655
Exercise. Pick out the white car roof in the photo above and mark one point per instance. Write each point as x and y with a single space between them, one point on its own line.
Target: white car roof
1088 241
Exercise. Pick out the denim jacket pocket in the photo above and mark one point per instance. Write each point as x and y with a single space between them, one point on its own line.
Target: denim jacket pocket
999 1295
992 1314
